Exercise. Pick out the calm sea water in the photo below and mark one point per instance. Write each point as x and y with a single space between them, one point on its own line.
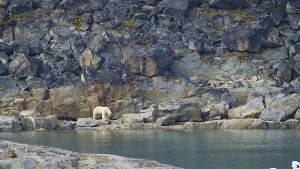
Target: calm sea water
204 149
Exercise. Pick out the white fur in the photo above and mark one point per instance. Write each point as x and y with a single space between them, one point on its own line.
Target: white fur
102 112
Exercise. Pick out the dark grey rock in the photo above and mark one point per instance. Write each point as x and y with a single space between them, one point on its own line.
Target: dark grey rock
49 4
8 88
96 42
6 48
165 121
293 7
151 2
87 122
69 66
18 7
100 16
295 22
28 123
278 15
178 7
195 45
219 95
242 38
270 43
33 81
87 18
51 122
39 123
23 66
8 34
283 73
274 54
68 125
4 3
295 85
8 124
281 109
148 61
226 4
5 16
100 4
3 69
63 34
73 4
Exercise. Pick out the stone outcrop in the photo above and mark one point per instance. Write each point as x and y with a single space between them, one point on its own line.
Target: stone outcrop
14 155
8 124
34 123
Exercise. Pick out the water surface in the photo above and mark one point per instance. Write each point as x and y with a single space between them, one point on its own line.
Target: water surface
204 149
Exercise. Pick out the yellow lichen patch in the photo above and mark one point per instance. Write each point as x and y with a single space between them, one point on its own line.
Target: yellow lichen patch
77 22
129 24
237 12
239 54
210 11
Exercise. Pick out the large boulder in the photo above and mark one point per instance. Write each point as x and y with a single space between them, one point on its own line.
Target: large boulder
33 123
281 109
149 115
217 95
243 112
69 66
8 124
63 34
293 7
168 108
180 112
132 118
87 122
242 38
89 58
219 109
165 121
144 116
51 122
97 42
28 123
148 61
253 108
23 66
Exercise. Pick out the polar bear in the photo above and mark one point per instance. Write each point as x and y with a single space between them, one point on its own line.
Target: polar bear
102 112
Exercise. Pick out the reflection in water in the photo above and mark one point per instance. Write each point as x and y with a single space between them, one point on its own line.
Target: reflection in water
207 149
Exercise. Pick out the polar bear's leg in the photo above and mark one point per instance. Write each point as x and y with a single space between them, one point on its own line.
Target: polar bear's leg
106 113
104 116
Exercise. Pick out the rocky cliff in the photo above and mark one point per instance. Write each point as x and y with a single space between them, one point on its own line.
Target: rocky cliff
195 60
